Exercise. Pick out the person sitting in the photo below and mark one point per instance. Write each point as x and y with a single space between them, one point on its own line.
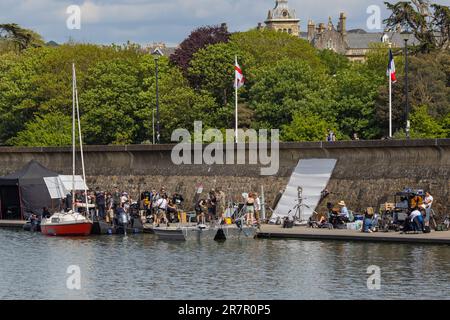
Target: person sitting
45 213
335 218
344 215
370 222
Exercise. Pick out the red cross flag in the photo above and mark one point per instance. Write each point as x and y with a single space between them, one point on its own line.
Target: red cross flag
239 76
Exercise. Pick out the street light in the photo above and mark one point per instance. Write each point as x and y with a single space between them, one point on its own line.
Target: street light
405 35
156 54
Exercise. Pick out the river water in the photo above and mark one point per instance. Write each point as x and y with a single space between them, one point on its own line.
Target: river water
33 266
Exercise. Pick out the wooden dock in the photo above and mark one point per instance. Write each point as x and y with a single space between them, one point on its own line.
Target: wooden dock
14 224
303 233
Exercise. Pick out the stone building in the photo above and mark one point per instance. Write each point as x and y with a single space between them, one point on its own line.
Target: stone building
352 43
283 19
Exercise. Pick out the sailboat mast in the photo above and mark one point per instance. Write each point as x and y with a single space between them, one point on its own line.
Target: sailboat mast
81 143
73 136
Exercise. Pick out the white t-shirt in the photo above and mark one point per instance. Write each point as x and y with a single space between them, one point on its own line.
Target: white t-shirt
257 204
428 201
161 204
414 214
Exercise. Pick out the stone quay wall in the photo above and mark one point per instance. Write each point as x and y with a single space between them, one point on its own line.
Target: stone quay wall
367 174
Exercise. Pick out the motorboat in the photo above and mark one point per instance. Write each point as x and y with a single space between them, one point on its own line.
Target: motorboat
205 232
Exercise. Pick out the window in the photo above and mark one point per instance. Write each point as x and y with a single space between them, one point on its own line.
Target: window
330 44
290 31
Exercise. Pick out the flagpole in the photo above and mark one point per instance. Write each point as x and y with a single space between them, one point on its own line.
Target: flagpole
390 95
236 102
390 106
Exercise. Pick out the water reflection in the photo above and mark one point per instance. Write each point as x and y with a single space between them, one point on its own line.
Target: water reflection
141 267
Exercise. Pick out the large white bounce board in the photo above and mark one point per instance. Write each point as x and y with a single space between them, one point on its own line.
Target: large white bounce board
312 175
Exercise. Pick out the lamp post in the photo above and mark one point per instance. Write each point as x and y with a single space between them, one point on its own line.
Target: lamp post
156 54
405 36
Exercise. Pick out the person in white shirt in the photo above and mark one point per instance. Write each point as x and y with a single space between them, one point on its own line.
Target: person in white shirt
428 202
123 199
161 207
257 207
416 220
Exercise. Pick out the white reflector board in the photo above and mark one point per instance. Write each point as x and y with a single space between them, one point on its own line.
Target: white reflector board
79 183
55 188
312 175
60 186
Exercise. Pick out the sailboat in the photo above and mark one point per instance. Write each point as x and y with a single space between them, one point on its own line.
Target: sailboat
71 223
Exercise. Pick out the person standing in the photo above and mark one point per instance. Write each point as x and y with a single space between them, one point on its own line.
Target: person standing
257 207
161 205
221 202
110 208
212 205
249 209
101 203
200 208
116 198
331 137
428 203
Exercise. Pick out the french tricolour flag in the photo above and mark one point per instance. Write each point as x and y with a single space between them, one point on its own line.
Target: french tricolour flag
391 68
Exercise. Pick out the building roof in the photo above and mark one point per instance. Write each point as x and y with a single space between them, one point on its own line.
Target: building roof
362 40
282 12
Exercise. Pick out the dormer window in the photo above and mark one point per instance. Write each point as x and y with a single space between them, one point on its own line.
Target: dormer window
285 13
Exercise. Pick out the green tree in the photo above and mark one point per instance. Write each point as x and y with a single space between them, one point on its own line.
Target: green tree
355 101
268 46
333 61
290 86
213 67
17 38
446 126
39 81
180 105
425 126
110 101
53 129
306 127
429 85
430 23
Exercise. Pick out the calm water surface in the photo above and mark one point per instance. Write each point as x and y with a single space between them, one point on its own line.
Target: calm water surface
140 267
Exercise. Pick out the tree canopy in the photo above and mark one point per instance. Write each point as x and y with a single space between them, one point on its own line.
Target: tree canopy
289 86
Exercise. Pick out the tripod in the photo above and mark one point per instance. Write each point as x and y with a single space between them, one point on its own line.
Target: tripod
299 207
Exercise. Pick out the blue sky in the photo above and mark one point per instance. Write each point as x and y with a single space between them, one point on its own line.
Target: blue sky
147 21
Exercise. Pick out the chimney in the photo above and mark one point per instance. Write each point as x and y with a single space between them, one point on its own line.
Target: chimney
343 24
259 27
311 30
